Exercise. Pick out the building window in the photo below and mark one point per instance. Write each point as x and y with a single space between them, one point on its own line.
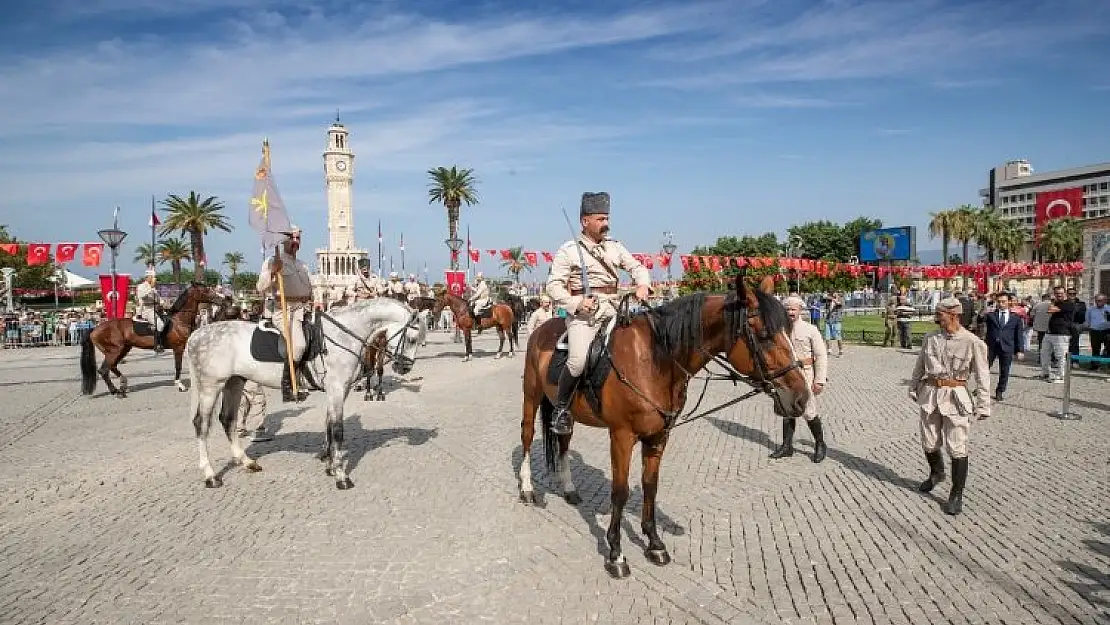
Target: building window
1104 186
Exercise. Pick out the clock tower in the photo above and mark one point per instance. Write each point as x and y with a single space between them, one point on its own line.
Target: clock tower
337 265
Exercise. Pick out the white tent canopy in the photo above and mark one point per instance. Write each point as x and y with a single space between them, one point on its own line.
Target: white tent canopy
75 281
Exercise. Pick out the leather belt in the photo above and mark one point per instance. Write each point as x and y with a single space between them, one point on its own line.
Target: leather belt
297 300
947 382
606 290
807 361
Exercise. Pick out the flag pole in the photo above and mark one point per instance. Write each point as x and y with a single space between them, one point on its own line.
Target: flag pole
152 255
285 327
402 252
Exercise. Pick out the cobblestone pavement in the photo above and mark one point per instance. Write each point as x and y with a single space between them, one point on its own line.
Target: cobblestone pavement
104 517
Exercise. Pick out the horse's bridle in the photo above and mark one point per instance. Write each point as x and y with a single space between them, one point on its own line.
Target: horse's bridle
761 382
398 354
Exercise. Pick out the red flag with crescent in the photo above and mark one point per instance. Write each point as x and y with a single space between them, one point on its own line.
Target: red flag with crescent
531 258
456 282
547 257
10 248
1056 205
66 252
38 253
93 251
475 255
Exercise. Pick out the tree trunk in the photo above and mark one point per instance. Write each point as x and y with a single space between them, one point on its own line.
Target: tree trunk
176 265
198 255
944 250
453 231
966 244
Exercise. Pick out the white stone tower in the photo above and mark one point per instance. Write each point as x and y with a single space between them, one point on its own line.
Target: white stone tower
337 266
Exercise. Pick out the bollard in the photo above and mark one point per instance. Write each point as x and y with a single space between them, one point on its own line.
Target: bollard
1064 412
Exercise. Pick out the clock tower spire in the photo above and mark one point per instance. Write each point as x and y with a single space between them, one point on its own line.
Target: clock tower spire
337 265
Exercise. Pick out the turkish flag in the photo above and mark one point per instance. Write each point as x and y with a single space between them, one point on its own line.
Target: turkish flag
547 257
66 252
1057 204
10 248
492 253
475 255
456 282
506 254
118 295
531 258
38 253
93 251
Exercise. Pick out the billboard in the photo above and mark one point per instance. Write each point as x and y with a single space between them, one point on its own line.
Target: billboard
888 244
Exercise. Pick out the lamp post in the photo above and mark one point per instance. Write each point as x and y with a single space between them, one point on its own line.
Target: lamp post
8 271
113 237
794 249
669 248
454 244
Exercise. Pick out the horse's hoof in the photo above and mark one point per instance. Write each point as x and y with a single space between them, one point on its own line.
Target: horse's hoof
344 484
121 395
572 497
528 497
381 397
497 357
253 467
213 482
367 398
330 472
322 456
658 557
617 569
182 388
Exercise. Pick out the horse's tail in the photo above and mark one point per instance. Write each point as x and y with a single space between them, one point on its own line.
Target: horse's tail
550 441
88 365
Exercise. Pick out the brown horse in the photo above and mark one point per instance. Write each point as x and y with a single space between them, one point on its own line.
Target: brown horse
115 338
652 359
501 317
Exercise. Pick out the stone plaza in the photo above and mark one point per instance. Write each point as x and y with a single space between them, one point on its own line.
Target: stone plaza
106 519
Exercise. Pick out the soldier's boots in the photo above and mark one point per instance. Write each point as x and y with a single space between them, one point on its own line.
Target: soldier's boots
160 338
959 478
287 387
563 421
819 448
936 471
787 448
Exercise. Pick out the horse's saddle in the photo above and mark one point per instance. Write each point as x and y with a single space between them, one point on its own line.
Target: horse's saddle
145 328
268 345
598 364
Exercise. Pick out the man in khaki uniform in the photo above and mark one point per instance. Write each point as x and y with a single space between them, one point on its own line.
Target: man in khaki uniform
811 351
147 310
949 356
540 315
368 285
298 297
412 288
479 300
586 313
396 287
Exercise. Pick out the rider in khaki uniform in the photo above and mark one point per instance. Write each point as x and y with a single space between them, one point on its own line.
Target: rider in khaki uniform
586 314
949 356
540 315
811 351
147 310
412 288
368 285
298 296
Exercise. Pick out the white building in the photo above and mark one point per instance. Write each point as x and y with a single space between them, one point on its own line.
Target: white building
337 265
1013 188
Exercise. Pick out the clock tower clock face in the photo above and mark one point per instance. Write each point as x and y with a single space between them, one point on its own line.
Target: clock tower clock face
341 165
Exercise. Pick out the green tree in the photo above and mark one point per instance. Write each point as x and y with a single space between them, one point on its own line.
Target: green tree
516 263
962 229
987 225
174 250
854 229
25 276
246 281
194 217
234 260
452 188
1061 240
1010 239
822 240
147 255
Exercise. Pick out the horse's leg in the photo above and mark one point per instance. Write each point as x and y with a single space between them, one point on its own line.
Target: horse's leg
651 449
500 341
527 433
621 443
379 394
229 414
570 493
337 461
119 374
469 345
106 367
177 352
204 402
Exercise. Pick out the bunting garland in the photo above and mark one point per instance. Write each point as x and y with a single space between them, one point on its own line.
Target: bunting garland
39 253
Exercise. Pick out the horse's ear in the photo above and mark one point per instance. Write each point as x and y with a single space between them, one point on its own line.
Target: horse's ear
767 285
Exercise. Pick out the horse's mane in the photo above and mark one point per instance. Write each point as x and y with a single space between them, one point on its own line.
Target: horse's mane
676 326
182 297
771 313
357 307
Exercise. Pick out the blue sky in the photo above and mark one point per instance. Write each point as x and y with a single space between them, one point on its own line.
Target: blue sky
702 118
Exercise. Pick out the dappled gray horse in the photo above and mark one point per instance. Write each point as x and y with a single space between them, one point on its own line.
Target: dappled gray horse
221 361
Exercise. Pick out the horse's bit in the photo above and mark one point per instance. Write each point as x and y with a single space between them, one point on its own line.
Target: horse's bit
397 354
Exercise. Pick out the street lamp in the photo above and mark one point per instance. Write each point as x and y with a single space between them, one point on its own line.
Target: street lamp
454 244
794 249
669 248
8 271
113 237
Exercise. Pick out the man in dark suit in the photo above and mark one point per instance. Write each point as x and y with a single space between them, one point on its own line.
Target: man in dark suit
1005 339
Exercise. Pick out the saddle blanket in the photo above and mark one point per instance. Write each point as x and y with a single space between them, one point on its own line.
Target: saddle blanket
598 365
268 344
144 328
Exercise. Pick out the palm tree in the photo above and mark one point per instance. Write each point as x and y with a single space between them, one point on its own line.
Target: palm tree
1010 239
233 260
452 187
962 229
1061 240
940 225
147 255
987 224
175 250
194 217
516 263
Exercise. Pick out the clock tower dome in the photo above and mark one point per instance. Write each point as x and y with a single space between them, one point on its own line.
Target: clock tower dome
337 265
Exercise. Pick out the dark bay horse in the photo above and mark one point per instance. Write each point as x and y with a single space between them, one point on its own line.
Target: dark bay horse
115 338
653 358
520 312
501 317
373 357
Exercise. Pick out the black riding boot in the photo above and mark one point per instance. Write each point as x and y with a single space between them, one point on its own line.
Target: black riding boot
287 387
563 421
936 471
160 339
787 448
959 478
819 448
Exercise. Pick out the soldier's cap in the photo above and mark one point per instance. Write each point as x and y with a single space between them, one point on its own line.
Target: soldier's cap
151 273
950 305
545 298
393 274
594 203
292 230
794 302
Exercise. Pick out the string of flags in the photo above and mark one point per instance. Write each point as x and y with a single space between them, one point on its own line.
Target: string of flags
40 253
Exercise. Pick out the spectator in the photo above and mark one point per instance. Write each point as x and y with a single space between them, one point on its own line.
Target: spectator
1040 316
1054 351
904 314
1077 322
1098 328
833 330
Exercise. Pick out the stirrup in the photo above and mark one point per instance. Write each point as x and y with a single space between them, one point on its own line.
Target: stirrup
563 422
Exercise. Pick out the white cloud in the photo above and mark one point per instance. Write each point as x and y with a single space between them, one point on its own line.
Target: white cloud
784 101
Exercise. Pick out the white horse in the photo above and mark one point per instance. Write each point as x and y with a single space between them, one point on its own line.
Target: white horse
220 362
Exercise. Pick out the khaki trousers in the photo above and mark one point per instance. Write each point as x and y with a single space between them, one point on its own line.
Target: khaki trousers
297 312
147 314
811 406
581 332
953 431
252 407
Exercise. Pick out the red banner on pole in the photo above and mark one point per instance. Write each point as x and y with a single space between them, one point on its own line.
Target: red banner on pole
456 282
108 295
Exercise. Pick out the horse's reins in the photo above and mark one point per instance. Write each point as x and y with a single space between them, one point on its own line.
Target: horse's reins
762 383
398 355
